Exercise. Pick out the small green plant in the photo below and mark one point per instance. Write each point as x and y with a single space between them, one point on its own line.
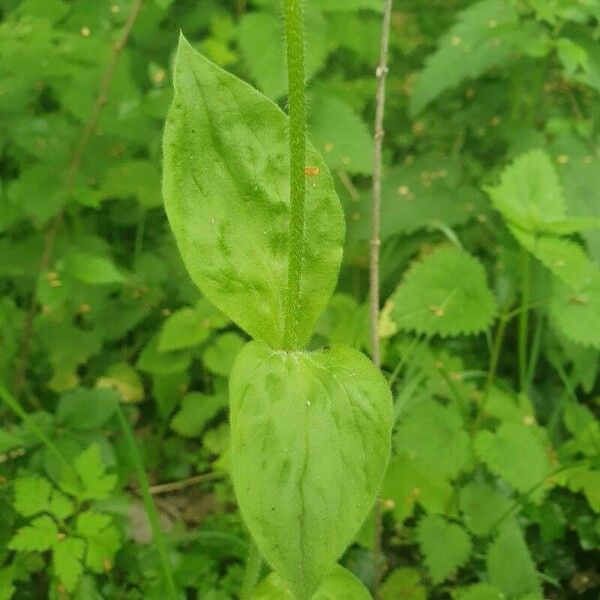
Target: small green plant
260 229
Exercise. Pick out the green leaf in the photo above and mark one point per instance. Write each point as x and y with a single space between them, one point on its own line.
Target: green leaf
35 494
96 484
442 559
403 583
67 556
41 534
93 269
260 34
435 435
310 435
102 539
576 312
124 379
503 453
340 135
481 591
340 584
227 199
220 355
7 589
482 505
185 328
83 408
195 412
529 195
485 35
509 564
445 294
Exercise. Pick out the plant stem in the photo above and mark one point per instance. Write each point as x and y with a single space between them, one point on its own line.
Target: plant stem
524 320
294 38
159 540
14 405
375 247
252 572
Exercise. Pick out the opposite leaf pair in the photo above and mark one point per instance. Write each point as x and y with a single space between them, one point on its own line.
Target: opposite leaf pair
310 430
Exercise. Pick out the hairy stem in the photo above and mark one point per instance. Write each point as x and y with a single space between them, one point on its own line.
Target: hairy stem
294 40
159 540
375 245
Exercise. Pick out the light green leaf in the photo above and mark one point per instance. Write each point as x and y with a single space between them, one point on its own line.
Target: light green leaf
185 328
96 484
32 495
340 584
348 5
576 312
7 589
41 534
482 504
586 480
226 195
481 591
529 195
220 355
435 435
442 559
403 583
93 269
260 34
503 453
509 564
102 539
445 293
137 179
67 556
123 379
310 442
340 135
195 412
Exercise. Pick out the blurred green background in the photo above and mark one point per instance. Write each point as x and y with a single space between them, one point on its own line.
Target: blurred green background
494 487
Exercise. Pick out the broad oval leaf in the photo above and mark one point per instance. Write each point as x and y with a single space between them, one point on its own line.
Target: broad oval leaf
226 191
310 434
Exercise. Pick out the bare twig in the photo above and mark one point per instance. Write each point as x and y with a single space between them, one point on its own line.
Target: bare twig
381 73
177 486
70 181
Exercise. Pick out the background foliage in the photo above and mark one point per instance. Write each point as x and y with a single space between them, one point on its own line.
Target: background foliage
490 272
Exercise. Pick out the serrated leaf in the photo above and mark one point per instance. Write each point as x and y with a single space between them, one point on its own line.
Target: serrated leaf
95 483
123 379
195 412
485 35
409 481
102 539
220 355
227 199
576 312
403 583
587 481
529 194
442 560
445 293
67 556
41 534
340 135
481 591
566 259
435 435
482 505
35 494
509 564
310 435
503 453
